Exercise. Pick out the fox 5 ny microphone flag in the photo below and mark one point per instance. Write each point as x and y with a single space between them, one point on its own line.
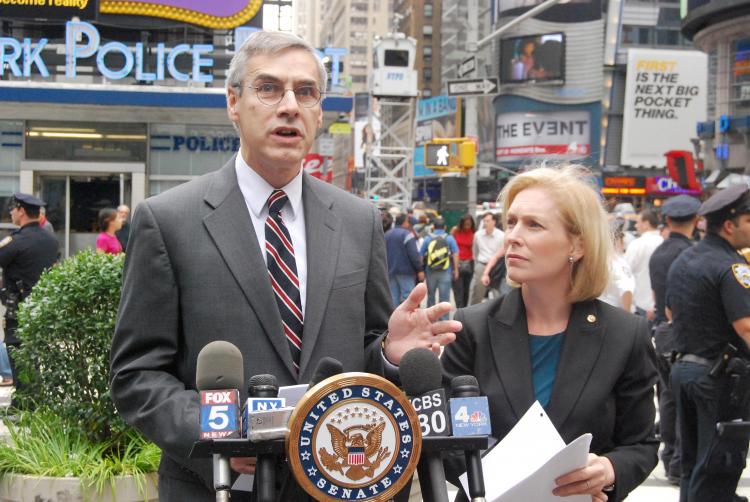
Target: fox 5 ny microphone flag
220 414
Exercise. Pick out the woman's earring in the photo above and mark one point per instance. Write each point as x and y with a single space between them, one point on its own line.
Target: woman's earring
570 259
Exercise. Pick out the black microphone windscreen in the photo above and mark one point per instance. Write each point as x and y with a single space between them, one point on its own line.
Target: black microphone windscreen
219 366
464 386
265 380
420 371
327 367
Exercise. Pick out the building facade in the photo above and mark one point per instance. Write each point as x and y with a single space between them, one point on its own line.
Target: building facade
112 108
721 30
421 20
353 26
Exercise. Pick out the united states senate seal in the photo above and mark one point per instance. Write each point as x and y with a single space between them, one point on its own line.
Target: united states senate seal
354 436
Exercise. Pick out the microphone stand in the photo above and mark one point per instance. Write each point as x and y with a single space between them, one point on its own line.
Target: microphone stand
223 449
222 477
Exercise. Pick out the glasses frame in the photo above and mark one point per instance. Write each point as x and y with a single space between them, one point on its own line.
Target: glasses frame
281 98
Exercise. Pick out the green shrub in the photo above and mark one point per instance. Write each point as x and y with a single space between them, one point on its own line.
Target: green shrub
66 326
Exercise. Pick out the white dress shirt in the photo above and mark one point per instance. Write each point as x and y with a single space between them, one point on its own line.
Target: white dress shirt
621 281
637 255
485 246
256 191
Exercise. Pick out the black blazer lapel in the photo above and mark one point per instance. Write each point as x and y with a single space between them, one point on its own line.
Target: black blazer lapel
580 352
509 339
323 242
231 229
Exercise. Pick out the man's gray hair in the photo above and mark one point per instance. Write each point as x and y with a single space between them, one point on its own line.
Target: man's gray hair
269 42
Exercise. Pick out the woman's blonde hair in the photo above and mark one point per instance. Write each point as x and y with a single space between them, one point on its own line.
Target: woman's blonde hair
573 191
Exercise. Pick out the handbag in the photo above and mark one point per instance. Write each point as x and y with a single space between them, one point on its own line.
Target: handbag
466 267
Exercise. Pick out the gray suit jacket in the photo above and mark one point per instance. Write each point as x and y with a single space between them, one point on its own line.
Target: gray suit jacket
604 382
194 273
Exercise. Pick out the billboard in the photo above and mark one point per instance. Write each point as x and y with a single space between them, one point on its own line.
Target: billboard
544 135
569 12
216 15
665 96
533 59
437 117
18 9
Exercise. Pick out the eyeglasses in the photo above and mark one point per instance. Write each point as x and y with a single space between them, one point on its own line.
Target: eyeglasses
271 94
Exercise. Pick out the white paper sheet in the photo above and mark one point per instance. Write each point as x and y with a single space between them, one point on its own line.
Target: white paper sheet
524 465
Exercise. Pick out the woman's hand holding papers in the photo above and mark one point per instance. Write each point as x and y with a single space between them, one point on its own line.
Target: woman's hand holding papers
590 480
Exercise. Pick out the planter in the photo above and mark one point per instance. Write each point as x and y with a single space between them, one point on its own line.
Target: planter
22 488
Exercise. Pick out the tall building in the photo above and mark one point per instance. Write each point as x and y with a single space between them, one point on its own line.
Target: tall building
353 25
421 20
720 30
307 20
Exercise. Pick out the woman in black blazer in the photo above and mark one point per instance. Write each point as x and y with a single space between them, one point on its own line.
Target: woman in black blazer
591 366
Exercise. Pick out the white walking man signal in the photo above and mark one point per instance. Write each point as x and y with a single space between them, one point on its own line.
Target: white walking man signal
442 156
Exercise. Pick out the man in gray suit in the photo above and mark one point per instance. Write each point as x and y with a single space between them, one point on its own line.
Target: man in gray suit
202 266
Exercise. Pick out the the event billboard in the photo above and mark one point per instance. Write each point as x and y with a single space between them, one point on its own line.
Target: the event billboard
437 117
545 135
573 11
533 59
665 96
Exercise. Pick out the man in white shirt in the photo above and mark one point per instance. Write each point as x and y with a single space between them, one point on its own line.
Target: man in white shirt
486 243
638 255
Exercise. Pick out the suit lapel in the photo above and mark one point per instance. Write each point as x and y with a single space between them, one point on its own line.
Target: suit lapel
231 229
580 351
509 339
323 238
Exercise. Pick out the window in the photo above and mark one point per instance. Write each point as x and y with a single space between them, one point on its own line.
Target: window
427 10
93 142
427 74
739 96
427 30
427 53
395 57
636 35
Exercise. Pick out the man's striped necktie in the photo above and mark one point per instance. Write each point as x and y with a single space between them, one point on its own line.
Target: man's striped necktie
282 270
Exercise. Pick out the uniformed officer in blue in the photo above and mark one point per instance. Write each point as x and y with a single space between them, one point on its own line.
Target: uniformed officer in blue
708 297
681 215
24 255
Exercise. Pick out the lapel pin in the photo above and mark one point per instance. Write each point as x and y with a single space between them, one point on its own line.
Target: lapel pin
591 318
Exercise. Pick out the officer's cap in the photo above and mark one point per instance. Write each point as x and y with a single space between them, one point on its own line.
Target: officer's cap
26 200
681 206
727 203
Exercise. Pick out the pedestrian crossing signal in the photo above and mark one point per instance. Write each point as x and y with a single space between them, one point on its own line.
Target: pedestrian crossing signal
450 154
437 155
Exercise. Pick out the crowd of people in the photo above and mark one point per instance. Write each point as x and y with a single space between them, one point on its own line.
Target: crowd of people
681 269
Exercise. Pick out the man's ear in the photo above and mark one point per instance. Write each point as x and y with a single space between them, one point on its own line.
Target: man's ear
232 99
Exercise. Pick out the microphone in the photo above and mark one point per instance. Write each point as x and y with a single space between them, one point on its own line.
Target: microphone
326 368
470 416
421 375
263 392
219 373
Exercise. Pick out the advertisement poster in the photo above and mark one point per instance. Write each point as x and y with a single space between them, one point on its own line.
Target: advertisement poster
557 135
665 96
437 117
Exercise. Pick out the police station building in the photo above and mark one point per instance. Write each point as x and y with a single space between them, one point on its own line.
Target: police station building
104 104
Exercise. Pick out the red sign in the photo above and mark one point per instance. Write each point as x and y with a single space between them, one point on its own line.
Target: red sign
313 165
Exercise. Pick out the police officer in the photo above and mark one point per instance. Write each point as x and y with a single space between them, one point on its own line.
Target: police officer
24 255
681 215
708 297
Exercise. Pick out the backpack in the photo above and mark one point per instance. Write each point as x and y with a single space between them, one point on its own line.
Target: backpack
438 253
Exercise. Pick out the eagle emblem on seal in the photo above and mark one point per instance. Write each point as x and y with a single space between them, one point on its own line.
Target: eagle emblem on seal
357 451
